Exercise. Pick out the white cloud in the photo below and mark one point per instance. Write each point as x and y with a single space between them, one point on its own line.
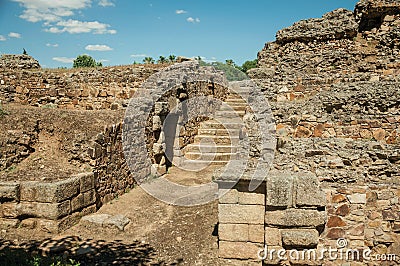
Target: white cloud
106 3
64 60
138 55
50 10
14 35
180 11
193 20
54 14
52 45
76 26
2 38
103 60
98 47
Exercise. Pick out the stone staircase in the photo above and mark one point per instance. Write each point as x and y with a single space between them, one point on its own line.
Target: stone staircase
217 139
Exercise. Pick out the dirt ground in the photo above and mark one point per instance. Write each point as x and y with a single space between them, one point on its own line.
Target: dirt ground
158 234
57 140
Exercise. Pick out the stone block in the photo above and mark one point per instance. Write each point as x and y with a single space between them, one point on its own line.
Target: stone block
239 250
49 192
232 262
303 238
241 214
8 223
83 200
295 218
256 233
308 192
228 196
357 198
9 191
86 181
29 223
279 190
248 198
233 232
273 237
50 211
9 210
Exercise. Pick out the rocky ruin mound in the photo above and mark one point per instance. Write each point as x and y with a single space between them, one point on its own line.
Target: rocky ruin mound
341 47
10 61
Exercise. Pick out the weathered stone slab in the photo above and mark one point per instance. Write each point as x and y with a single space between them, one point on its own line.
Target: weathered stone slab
357 198
248 198
232 262
52 211
308 191
9 191
256 233
241 214
107 220
273 237
9 210
228 196
83 200
8 223
306 238
238 250
233 232
279 190
49 192
87 182
295 218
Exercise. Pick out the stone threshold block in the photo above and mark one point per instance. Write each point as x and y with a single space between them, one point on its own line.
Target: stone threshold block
58 191
239 250
295 218
241 233
241 214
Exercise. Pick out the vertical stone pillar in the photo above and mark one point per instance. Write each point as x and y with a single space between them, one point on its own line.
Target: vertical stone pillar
295 217
241 223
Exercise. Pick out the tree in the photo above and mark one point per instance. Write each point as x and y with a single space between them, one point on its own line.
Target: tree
172 58
162 60
230 62
24 52
86 61
249 65
148 60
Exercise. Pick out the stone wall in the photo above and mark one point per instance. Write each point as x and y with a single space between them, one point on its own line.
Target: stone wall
112 174
52 207
333 85
85 89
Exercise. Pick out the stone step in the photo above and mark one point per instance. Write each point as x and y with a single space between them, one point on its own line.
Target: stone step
229 114
216 125
234 107
210 156
195 165
235 100
219 140
218 132
210 148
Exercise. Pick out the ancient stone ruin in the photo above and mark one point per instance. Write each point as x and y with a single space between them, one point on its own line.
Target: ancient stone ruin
333 87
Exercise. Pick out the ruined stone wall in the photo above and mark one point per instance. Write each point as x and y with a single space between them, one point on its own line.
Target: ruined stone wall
333 84
51 207
10 61
85 89
112 174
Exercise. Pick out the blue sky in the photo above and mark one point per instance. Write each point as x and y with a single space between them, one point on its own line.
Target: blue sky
118 32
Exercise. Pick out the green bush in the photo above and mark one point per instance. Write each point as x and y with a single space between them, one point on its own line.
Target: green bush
232 71
86 61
